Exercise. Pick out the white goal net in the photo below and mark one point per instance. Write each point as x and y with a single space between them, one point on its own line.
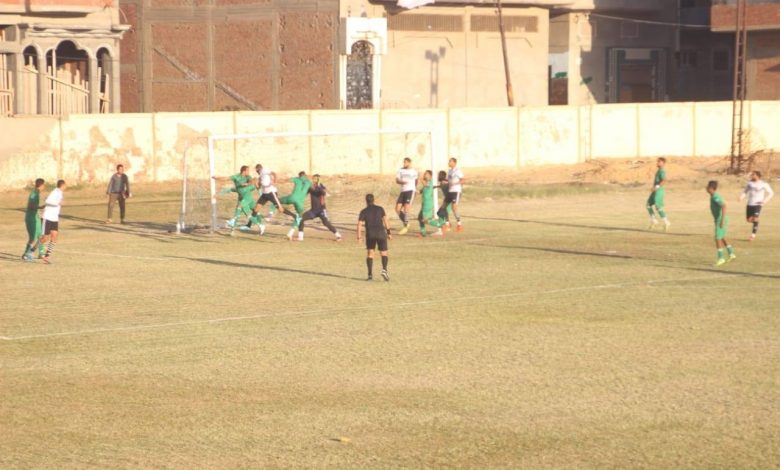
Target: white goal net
209 162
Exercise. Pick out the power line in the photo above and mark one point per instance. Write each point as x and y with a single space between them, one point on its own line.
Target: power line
657 23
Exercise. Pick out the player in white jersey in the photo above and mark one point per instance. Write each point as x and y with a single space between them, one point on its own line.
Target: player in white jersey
51 220
407 179
758 193
266 183
454 182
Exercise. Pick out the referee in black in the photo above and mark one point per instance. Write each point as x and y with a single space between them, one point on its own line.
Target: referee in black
374 219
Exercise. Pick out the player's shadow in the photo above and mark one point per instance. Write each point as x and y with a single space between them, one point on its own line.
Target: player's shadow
731 273
151 230
10 257
233 264
592 227
561 251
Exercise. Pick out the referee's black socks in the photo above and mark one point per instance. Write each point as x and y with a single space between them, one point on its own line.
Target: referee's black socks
370 264
384 263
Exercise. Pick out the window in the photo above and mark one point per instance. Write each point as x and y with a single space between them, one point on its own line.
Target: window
688 59
720 60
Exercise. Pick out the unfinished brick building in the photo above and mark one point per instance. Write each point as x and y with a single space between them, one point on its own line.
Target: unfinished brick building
763 43
219 55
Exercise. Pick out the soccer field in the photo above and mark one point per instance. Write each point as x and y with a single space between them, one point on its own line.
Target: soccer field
553 332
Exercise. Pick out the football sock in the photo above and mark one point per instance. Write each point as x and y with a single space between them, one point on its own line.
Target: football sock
720 253
28 248
252 218
730 249
402 215
384 262
370 265
662 213
457 215
650 211
50 248
755 227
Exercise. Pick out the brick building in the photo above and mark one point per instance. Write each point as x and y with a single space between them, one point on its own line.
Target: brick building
763 43
216 55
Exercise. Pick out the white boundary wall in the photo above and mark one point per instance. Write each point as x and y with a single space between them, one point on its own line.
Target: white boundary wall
85 148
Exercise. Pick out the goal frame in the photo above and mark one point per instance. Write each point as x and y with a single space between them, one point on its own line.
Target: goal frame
221 137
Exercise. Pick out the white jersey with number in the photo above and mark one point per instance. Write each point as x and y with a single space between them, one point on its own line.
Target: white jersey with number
453 177
409 178
267 181
51 211
758 192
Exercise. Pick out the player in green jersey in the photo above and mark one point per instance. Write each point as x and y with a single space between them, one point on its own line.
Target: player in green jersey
656 198
426 212
33 221
297 199
242 184
718 209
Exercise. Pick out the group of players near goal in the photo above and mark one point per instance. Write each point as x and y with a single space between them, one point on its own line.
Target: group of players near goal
372 219
757 191
43 229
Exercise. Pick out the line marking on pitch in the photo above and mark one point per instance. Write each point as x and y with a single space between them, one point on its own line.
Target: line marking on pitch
309 313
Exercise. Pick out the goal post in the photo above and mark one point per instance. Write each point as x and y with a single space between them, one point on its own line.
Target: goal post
301 146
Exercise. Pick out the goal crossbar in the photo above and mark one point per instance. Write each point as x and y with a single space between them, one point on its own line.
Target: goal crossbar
260 135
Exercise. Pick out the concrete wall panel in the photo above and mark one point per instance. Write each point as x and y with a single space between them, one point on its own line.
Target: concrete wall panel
713 129
92 146
29 149
354 154
764 125
614 131
548 135
284 155
177 132
417 146
484 136
666 129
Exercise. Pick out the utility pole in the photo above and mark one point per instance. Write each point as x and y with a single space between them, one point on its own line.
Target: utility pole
510 96
740 89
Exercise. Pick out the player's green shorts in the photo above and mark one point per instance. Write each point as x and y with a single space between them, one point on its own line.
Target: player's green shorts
247 205
720 233
297 203
33 224
657 198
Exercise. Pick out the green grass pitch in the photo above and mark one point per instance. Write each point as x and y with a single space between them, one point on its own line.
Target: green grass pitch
553 332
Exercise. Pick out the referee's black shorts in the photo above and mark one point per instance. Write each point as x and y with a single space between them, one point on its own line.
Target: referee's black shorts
376 240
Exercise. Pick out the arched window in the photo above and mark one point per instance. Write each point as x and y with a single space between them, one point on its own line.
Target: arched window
360 76
104 68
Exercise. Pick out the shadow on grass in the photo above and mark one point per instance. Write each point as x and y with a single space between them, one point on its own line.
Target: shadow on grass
731 273
233 264
593 227
562 251
161 232
9 257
